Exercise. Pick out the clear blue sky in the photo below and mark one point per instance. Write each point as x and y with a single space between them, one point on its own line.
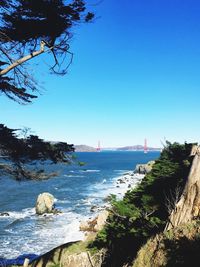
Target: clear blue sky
135 74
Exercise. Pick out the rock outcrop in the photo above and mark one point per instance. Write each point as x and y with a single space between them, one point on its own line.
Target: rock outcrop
96 224
188 207
73 254
144 168
4 214
82 259
45 204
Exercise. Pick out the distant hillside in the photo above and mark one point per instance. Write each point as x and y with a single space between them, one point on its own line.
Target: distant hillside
84 148
138 148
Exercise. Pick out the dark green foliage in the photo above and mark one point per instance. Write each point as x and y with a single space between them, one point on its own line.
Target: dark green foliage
31 28
33 19
9 87
21 151
143 211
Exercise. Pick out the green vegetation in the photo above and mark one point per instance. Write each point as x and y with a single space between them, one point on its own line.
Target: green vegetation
60 256
144 210
77 247
17 154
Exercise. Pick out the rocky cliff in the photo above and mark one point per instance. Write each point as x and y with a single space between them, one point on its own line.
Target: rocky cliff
177 246
188 207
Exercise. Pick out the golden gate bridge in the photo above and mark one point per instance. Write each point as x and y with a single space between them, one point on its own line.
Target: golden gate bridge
99 147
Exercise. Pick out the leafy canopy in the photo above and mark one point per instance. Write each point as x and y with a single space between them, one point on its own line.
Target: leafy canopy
29 28
18 152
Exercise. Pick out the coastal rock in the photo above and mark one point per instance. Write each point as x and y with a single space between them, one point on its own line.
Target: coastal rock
121 181
101 220
94 208
82 259
144 168
45 204
96 224
97 208
85 226
5 214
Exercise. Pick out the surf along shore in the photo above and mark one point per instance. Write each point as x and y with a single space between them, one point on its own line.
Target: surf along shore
95 223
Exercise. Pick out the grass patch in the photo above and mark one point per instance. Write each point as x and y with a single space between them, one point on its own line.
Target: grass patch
77 248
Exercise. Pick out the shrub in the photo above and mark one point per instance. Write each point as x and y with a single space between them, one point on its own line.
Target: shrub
143 210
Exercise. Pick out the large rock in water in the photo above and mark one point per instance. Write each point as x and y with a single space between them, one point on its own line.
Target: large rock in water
45 204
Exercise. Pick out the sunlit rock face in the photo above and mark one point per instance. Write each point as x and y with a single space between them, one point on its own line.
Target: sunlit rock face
44 204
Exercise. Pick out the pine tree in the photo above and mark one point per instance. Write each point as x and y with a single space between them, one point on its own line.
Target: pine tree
18 153
29 29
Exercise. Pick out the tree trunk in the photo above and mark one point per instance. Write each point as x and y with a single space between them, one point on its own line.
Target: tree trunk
188 207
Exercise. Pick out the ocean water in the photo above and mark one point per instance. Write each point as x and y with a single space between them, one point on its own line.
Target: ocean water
76 190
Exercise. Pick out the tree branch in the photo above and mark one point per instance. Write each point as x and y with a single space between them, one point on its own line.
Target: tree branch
26 58
117 214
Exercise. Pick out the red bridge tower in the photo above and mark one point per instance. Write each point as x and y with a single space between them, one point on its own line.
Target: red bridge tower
99 147
145 145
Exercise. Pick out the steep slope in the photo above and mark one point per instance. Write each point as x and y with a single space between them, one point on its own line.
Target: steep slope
74 254
144 211
178 247
188 207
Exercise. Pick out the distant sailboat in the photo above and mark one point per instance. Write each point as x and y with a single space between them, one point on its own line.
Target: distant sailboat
145 145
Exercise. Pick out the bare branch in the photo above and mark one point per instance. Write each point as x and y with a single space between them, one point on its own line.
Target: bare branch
117 214
173 199
26 58
147 214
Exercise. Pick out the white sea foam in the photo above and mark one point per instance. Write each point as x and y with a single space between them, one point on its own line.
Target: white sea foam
74 176
48 232
122 171
118 186
62 201
19 214
86 201
89 170
40 234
